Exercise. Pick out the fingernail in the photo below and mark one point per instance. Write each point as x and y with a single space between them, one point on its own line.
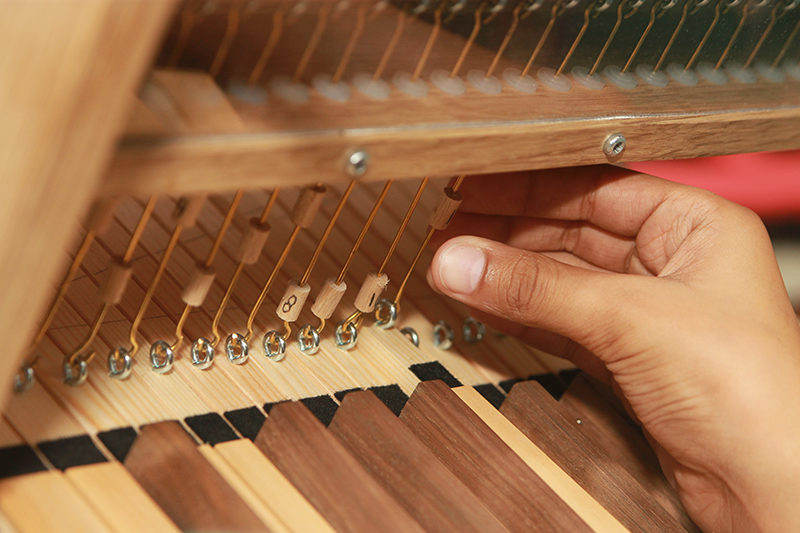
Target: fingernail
461 268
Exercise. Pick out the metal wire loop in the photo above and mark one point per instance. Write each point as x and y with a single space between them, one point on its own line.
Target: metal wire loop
202 354
411 334
75 373
162 357
348 340
473 331
385 314
237 349
308 339
24 379
274 346
120 363
443 335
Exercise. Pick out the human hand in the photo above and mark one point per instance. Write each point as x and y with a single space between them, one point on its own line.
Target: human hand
671 294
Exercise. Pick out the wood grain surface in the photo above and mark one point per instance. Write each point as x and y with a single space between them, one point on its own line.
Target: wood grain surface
541 419
327 475
167 464
484 463
406 468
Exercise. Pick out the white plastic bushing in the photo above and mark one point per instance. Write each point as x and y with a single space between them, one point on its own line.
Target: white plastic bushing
581 75
450 84
338 91
709 73
678 73
375 89
656 79
557 83
415 88
283 87
488 85
524 84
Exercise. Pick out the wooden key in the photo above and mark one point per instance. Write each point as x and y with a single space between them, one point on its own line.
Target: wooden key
118 499
406 468
484 463
47 502
166 463
623 442
540 418
327 475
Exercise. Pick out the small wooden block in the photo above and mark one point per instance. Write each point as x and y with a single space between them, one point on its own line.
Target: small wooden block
371 290
189 209
484 463
445 209
328 298
293 300
118 499
101 214
307 206
167 464
406 468
327 475
116 281
253 241
200 283
539 417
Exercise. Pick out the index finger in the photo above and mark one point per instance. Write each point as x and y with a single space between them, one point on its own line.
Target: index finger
615 199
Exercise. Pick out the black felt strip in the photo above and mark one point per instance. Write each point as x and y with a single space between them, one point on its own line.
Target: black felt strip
432 371
507 384
551 383
323 408
569 375
19 460
342 393
492 394
118 441
392 396
211 428
247 421
72 451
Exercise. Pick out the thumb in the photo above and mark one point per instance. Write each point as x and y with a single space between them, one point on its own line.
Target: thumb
535 290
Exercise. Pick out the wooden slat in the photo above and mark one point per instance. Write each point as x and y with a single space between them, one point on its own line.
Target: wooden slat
47 502
435 497
518 497
166 463
118 499
535 413
559 481
327 475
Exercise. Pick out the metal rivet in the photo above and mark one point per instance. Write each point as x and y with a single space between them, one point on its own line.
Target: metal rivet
357 163
614 145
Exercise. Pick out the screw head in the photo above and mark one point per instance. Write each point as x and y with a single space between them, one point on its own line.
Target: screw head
614 145
357 163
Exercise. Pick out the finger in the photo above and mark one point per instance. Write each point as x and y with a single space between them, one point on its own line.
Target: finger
536 291
615 199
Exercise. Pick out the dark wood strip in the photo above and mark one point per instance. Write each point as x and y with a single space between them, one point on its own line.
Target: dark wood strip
624 442
407 469
167 464
327 475
484 463
539 416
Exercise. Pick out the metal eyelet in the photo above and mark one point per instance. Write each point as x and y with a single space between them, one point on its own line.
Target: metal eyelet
120 363
237 349
274 346
411 334
162 357
443 335
24 379
202 354
473 331
345 341
385 314
308 339
75 373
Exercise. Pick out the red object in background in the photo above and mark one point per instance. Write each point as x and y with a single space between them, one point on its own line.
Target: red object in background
768 182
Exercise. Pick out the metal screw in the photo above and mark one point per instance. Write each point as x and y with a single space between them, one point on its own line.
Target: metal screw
614 145
357 163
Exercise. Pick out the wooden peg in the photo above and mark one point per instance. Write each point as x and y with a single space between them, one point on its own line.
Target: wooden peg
307 205
114 285
370 292
328 298
100 215
253 241
294 298
445 209
199 284
189 209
